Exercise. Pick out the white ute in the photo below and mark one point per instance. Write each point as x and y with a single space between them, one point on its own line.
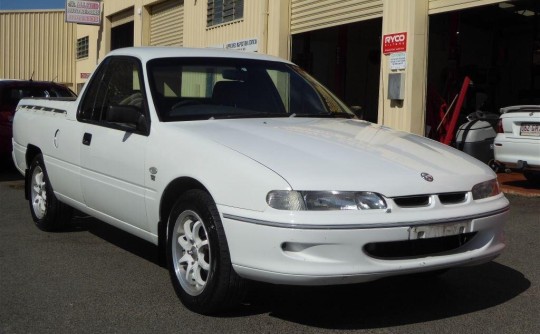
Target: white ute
244 167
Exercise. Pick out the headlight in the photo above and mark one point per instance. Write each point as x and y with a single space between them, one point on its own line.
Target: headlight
324 200
486 189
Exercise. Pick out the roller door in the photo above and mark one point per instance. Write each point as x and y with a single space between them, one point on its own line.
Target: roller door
167 23
307 15
441 6
122 18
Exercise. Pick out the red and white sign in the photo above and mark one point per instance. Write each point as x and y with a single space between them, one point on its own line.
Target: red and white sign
83 11
395 43
85 75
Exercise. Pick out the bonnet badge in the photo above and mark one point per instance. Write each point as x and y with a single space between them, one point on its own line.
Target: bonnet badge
427 177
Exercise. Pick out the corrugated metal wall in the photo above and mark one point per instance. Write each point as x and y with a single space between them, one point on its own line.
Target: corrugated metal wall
196 34
307 15
167 23
38 42
440 6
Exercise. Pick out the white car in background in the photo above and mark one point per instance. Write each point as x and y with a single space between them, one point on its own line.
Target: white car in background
517 145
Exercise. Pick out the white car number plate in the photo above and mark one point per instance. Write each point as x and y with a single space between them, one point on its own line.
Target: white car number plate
530 129
438 230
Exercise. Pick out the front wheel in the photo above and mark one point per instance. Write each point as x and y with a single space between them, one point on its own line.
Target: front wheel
47 212
198 256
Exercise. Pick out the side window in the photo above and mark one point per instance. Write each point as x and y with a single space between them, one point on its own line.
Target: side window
90 110
117 83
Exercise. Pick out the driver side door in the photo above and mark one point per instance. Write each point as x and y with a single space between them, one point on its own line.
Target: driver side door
113 148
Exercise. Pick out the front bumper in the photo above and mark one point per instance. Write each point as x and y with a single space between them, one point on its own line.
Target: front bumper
326 256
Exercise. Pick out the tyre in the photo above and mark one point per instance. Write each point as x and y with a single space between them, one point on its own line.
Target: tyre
198 256
47 212
532 177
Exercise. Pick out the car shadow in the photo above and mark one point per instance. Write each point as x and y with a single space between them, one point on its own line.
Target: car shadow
384 303
393 301
115 236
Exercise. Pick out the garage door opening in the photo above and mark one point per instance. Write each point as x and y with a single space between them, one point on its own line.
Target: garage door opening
122 29
346 59
122 36
496 46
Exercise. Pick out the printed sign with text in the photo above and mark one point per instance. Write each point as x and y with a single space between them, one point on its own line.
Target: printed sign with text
395 43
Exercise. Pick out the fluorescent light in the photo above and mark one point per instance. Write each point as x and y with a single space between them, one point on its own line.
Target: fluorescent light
525 12
505 5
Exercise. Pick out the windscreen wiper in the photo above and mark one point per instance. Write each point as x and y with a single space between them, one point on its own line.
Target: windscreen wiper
251 115
328 115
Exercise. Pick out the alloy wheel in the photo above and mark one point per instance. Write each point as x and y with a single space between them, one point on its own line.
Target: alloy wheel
191 252
39 193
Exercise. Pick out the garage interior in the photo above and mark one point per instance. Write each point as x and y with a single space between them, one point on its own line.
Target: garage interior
496 46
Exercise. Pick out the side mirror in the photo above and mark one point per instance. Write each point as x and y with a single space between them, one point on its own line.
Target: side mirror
131 116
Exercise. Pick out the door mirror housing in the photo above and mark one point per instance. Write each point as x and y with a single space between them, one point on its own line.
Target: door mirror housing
128 115
357 110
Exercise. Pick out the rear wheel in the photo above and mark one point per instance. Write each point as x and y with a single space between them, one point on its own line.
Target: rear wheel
47 212
198 256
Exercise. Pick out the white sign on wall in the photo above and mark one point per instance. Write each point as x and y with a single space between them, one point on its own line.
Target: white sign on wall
250 45
398 61
83 11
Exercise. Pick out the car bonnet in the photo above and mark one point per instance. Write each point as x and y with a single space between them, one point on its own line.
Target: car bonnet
340 154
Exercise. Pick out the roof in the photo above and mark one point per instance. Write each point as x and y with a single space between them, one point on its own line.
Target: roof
147 53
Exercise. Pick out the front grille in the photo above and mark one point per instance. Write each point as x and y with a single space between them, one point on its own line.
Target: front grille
416 201
412 201
453 198
396 250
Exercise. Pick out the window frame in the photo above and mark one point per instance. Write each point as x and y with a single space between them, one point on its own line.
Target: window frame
83 47
99 74
235 6
321 94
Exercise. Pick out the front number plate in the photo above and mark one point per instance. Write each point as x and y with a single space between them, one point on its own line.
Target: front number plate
438 230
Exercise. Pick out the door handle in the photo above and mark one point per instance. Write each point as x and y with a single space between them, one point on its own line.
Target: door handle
87 139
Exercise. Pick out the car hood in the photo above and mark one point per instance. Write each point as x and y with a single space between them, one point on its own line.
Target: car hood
342 155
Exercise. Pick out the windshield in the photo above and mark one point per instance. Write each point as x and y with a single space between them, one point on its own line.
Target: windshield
204 88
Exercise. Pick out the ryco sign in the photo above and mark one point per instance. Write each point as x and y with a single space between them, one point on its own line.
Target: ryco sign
395 43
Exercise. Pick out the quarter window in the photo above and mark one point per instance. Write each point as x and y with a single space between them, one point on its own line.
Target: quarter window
222 11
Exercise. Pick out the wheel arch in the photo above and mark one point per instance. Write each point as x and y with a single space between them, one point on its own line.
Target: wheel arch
32 152
172 192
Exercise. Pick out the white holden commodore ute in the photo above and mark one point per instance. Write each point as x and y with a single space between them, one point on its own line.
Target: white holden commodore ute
241 166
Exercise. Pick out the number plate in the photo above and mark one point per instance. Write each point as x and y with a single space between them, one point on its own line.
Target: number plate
530 129
438 230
